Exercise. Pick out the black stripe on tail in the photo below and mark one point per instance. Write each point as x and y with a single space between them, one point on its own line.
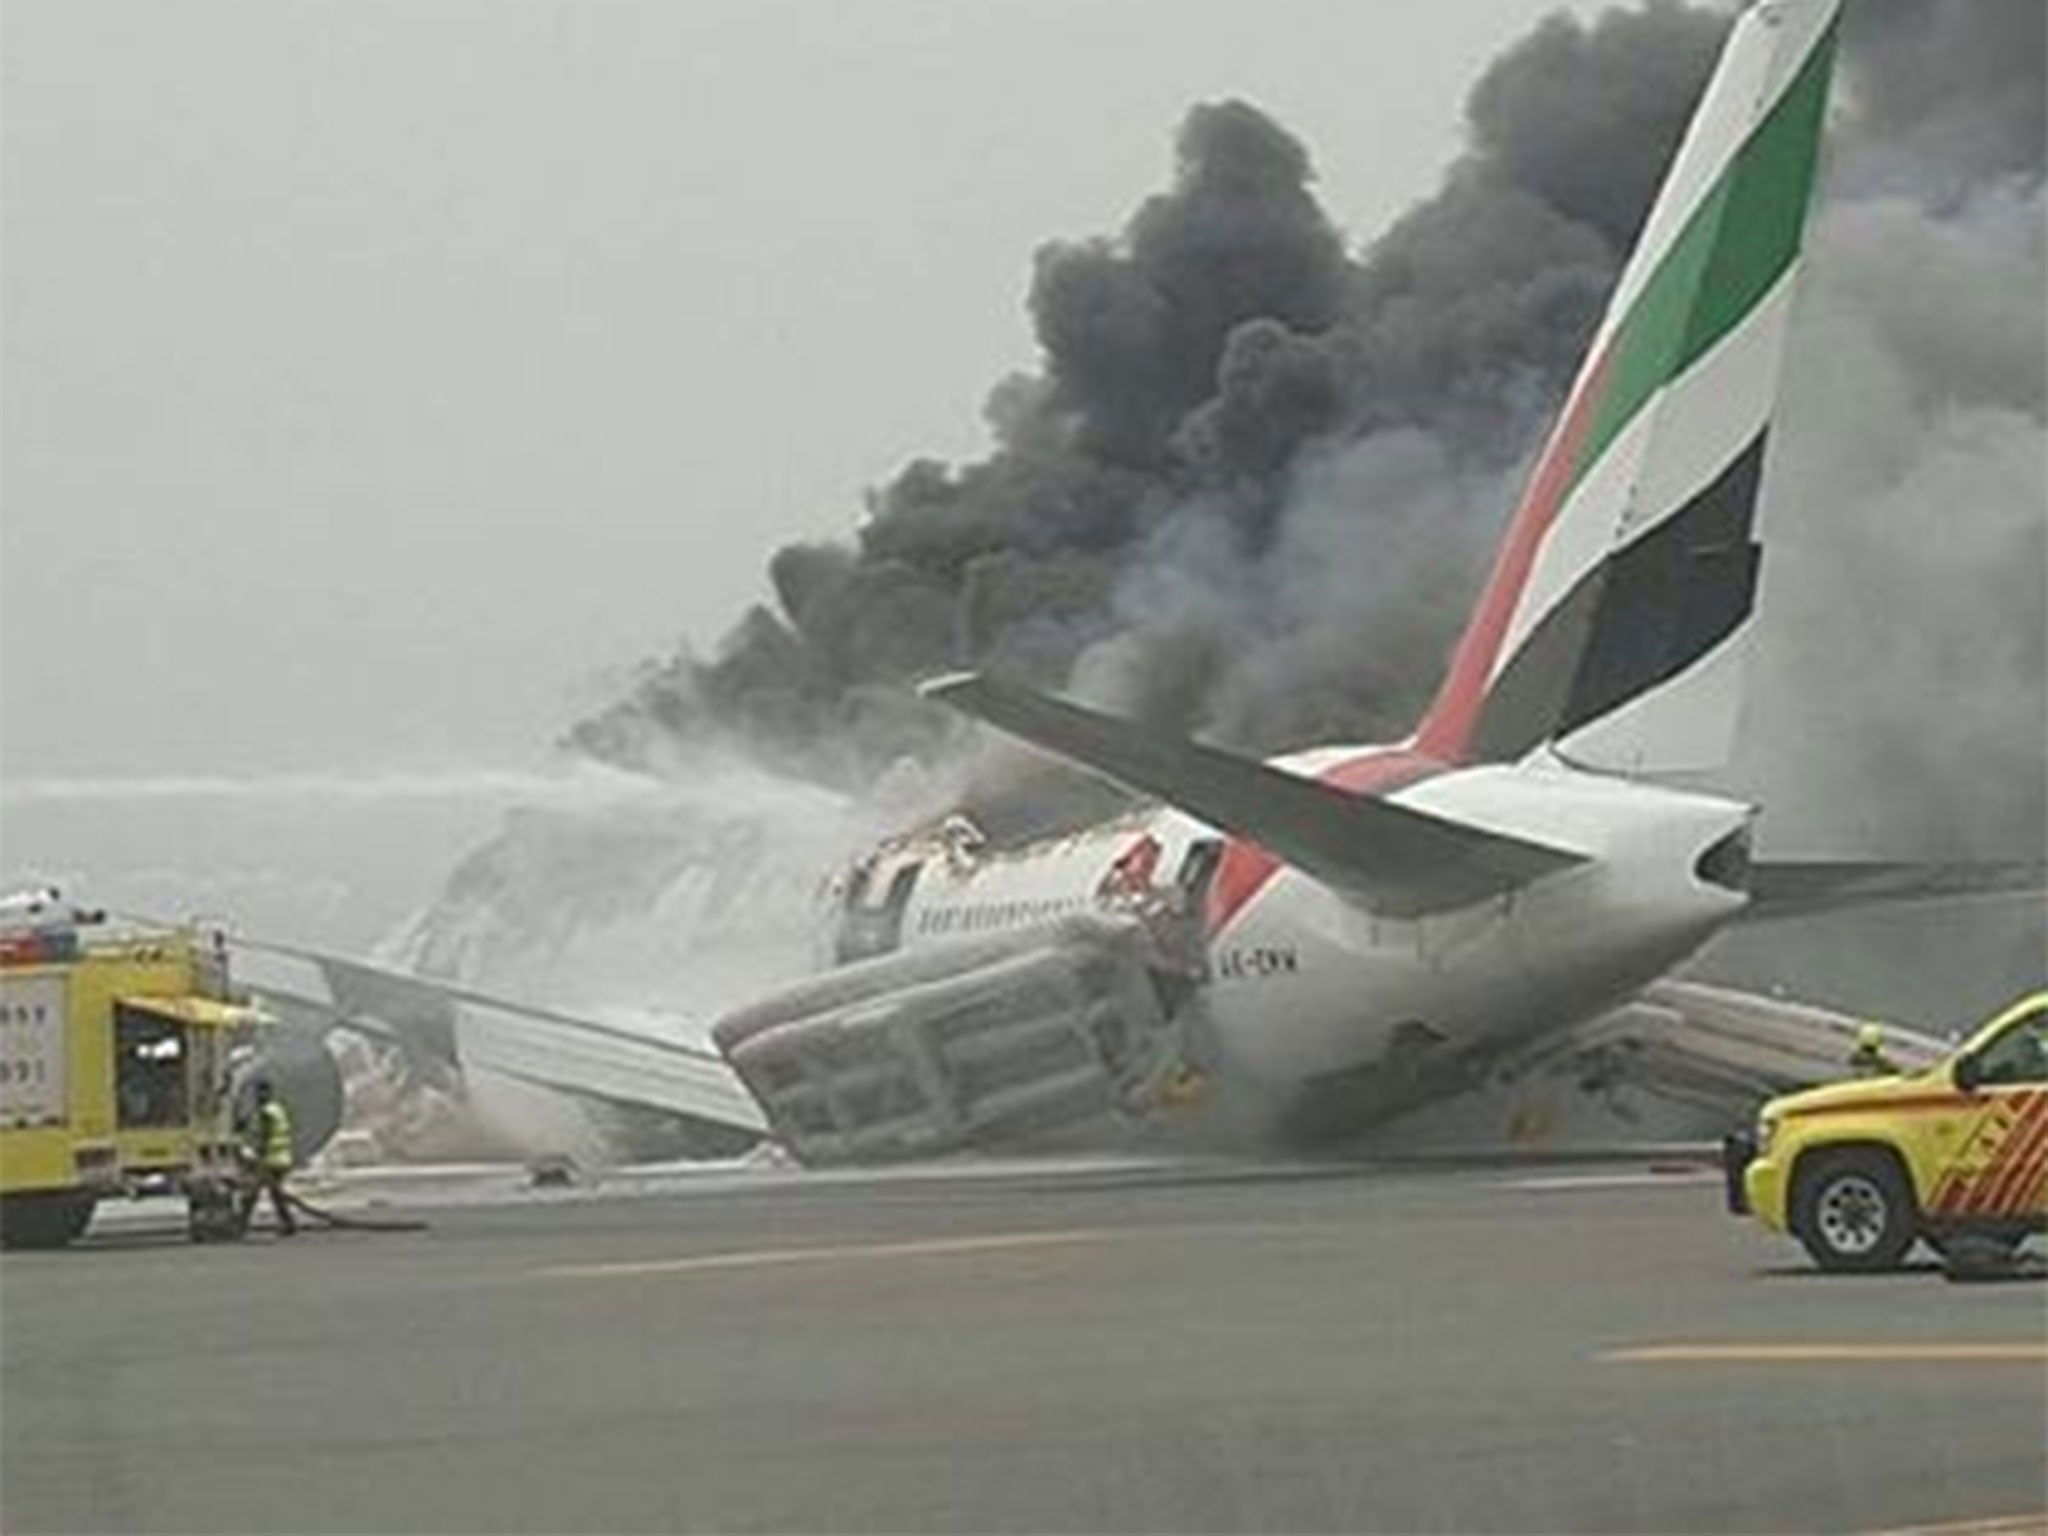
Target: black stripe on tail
1645 614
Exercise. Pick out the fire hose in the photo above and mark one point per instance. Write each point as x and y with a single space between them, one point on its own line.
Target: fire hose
321 1216
241 1206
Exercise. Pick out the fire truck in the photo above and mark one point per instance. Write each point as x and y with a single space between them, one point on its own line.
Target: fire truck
121 1048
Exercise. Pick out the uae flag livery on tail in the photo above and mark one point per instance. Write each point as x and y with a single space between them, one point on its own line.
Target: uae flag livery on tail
1613 622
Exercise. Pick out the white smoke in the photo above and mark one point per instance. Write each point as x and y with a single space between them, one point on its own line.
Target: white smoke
681 896
655 910
1898 701
1334 632
338 859
1898 695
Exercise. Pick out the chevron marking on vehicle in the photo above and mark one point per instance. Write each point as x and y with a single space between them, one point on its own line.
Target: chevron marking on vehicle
2022 1157
1957 1193
1996 1158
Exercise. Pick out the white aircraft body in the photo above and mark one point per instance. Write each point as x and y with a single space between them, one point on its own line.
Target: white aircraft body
1361 928
1305 978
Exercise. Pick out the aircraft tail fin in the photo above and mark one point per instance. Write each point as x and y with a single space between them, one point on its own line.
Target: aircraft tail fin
1614 619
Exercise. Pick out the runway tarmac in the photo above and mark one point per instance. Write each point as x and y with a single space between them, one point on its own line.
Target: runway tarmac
1087 1347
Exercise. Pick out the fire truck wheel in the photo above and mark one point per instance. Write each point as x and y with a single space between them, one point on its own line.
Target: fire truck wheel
43 1221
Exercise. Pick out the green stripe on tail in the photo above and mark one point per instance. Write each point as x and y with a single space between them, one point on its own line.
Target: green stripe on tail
1733 249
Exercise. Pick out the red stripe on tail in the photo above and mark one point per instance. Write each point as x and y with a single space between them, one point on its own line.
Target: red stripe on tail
1453 717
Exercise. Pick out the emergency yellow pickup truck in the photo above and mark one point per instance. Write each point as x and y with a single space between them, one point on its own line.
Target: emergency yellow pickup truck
1857 1171
117 1055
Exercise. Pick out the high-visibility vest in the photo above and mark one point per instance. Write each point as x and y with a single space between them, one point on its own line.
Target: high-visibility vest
274 1130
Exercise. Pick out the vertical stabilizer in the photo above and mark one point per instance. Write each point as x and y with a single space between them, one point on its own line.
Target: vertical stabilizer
1614 619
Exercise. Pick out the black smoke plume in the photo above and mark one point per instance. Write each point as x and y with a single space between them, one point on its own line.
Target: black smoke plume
1250 486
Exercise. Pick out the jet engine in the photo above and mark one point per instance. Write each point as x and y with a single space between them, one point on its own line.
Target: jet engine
306 1076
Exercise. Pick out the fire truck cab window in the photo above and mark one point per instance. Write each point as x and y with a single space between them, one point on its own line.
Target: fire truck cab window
149 1068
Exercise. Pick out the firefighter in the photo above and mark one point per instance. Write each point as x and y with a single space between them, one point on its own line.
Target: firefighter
269 1145
1870 1058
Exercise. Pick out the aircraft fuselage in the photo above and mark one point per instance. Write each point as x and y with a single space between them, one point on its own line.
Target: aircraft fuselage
1305 983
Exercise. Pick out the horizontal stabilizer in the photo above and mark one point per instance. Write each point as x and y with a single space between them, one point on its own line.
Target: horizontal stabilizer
1390 858
1802 889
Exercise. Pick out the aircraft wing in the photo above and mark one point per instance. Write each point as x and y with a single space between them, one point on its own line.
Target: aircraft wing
453 1027
1716 1047
1389 858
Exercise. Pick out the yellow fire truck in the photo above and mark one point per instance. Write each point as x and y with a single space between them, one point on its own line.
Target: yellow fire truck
117 1050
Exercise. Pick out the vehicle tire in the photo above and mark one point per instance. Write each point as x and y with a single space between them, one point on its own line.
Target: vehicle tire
1853 1210
43 1221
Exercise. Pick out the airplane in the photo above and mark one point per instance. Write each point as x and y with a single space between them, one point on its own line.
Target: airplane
1354 931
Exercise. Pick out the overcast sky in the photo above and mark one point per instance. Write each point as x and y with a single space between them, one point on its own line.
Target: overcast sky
378 376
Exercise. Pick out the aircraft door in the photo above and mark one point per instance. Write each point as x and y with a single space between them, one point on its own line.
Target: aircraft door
1197 870
874 928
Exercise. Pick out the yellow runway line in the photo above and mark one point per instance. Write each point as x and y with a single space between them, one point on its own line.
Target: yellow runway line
2035 1524
2021 1352
762 1258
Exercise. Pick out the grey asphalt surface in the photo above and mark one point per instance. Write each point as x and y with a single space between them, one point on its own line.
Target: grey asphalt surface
1111 1350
